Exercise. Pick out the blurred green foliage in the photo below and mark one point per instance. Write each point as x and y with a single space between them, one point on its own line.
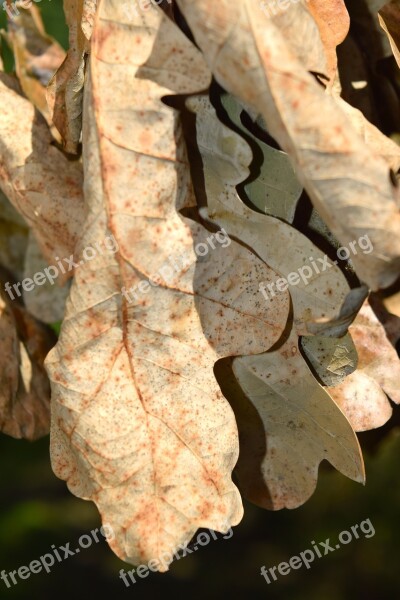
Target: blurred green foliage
36 511
53 18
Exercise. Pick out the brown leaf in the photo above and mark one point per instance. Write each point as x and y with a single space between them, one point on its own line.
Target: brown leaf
331 359
139 423
43 186
226 157
349 186
333 22
302 31
65 91
25 388
376 141
37 56
295 425
362 394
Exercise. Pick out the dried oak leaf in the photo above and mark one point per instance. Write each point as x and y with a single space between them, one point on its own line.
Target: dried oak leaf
349 186
362 395
226 158
37 56
374 139
65 91
275 189
333 23
278 478
291 425
331 359
41 183
25 388
302 32
139 424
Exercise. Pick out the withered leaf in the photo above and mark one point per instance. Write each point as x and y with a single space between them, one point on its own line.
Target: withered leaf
285 479
333 23
25 388
37 56
378 143
295 426
43 186
350 187
362 394
331 359
276 189
226 157
65 91
139 424
302 32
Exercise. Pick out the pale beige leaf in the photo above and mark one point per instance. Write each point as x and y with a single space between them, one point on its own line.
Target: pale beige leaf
292 426
226 157
88 16
302 31
363 401
376 141
362 394
139 424
43 186
349 186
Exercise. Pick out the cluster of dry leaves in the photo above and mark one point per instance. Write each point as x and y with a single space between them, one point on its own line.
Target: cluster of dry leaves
159 127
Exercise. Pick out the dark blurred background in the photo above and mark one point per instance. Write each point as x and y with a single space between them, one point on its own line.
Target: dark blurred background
36 511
